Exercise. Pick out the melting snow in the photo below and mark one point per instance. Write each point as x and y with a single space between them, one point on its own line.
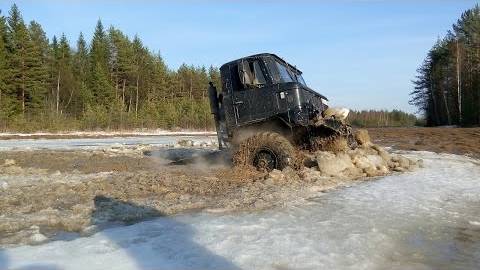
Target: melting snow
426 219
98 143
158 132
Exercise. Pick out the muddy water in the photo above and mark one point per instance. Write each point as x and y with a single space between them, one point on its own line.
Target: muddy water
427 219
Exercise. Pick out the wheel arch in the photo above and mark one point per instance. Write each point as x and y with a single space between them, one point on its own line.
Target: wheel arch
275 124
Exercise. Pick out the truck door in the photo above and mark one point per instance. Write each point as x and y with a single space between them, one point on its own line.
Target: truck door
253 100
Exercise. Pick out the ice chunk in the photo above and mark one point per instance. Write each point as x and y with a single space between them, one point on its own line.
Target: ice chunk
4 185
334 165
9 162
38 238
376 161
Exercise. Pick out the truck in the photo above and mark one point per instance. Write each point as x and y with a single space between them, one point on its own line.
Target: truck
265 114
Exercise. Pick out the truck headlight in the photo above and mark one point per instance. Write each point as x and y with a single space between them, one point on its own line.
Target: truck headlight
324 101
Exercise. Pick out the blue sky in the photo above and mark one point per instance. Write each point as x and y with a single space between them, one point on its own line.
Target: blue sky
360 54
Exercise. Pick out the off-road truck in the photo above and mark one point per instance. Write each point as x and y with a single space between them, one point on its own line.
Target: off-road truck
265 113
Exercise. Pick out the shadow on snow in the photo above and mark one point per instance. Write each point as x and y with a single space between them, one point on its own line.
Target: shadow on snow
160 243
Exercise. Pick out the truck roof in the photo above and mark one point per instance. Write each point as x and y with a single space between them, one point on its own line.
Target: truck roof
263 55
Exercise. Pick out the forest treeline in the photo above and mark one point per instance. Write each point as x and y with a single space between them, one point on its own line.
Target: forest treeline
112 82
447 87
382 118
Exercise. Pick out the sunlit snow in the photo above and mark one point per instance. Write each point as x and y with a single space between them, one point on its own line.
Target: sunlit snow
428 219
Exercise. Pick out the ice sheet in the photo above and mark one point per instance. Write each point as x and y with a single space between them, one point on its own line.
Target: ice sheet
96 143
428 219
158 132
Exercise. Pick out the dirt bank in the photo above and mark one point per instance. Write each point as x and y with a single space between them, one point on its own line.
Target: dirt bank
460 141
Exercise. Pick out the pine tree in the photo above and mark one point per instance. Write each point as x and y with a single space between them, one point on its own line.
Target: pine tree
66 90
421 96
38 70
23 63
99 79
214 76
121 62
447 88
467 31
95 85
138 69
160 75
113 42
80 68
4 71
53 70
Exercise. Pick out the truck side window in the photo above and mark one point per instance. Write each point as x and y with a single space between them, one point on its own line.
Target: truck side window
251 74
236 79
285 75
259 79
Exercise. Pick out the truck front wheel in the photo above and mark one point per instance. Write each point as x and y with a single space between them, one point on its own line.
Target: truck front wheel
265 151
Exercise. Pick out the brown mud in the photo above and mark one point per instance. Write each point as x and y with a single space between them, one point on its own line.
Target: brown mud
460 141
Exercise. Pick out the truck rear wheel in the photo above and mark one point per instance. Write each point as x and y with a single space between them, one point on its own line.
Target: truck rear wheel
265 151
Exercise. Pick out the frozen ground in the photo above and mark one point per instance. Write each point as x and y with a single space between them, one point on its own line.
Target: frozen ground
427 219
97 143
158 132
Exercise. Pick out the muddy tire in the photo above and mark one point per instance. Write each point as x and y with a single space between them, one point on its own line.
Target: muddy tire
265 151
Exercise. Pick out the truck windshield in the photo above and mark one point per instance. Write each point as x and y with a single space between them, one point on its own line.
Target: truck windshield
284 73
287 75
300 79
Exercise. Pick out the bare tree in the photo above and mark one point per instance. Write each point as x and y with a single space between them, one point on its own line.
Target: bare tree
459 92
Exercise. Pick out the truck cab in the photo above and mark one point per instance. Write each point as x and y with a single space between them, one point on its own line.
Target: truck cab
265 102
260 87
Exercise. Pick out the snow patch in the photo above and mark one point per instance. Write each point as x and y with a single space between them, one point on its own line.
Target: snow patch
157 132
110 143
